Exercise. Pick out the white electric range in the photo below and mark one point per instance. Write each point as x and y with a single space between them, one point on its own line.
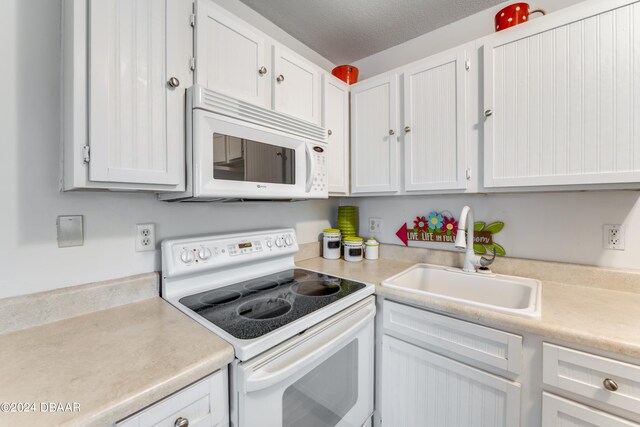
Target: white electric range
303 340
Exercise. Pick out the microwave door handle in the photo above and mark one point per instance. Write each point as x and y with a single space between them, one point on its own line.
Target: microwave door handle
262 378
311 168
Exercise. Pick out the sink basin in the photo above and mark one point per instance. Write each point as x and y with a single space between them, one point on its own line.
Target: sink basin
505 294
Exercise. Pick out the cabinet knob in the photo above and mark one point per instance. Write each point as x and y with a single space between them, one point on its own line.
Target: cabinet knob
262 71
407 129
610 384
392 132
329 132
174 82
280 78
488 113
181 422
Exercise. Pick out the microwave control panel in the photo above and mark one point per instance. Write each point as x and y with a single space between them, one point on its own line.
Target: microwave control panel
320 179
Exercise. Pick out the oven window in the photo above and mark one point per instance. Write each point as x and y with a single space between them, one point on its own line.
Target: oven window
238 159
325 395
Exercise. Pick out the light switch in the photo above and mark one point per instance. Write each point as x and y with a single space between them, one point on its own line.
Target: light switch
70 231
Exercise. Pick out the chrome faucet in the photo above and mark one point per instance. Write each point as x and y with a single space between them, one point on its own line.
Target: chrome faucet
465 229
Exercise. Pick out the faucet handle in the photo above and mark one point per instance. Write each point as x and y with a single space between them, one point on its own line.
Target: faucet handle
486 262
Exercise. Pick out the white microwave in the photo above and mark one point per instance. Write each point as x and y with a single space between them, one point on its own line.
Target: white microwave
239 151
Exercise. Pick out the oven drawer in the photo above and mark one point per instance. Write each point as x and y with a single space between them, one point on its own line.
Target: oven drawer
595 377
457 338
205 403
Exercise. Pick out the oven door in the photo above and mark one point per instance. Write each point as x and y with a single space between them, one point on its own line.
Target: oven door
235 159
321 378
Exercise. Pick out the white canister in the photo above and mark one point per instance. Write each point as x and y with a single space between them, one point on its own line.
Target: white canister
331 243
371 248
353 249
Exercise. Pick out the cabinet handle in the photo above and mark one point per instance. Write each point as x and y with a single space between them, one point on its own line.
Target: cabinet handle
488 113
174 82
407 129
262 71
329 132
280 78
610 384
392 132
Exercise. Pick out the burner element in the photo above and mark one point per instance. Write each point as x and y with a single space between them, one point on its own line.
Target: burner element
291 276
219 297
316 288
264 308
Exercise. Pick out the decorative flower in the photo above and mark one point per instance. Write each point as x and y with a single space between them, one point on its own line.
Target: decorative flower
449 226
420 223
434 220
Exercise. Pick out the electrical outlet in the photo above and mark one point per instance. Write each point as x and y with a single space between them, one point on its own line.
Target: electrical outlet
375 225
145 237
614 237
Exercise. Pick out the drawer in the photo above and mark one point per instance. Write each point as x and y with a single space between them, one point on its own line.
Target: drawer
584 374
488 346
205 403
559 412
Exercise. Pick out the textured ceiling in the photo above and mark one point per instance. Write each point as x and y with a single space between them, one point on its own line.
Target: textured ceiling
344 31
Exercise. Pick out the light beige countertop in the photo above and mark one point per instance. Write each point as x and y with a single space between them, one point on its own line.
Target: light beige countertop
592 316
112 362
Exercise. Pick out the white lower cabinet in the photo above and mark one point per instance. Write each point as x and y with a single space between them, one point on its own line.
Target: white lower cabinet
425 389
559 412
203 404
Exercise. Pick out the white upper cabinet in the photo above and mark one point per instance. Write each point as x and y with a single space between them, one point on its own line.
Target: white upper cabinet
232 57
336 121
296 85
374 131
562 99
435 124
125 71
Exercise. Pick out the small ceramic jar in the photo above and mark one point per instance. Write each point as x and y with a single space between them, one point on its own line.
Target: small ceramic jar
353 249
331 243
371 248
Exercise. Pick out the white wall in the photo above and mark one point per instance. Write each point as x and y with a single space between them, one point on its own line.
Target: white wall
454 34
564 227
30 260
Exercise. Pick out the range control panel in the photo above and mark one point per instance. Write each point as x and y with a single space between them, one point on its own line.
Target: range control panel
185 256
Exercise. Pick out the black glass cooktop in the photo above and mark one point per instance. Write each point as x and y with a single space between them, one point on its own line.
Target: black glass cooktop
256 307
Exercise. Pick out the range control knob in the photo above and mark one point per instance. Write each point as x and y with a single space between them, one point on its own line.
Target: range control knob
269 243
204 253
186 256
288 240
279 242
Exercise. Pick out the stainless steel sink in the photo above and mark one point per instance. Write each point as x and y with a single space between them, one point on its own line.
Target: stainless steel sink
505 294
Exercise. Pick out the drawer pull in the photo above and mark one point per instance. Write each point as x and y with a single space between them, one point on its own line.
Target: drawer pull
181 422
610 384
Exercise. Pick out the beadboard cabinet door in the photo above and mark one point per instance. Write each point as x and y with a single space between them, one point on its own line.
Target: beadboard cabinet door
136 118
336 121
562 99
374 130
424 389
435 122
296 85
231 56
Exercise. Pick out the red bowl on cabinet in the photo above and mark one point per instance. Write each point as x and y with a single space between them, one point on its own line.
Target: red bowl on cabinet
514 14
346 73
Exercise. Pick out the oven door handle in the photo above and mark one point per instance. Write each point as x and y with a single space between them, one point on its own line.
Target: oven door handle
311 168
308 352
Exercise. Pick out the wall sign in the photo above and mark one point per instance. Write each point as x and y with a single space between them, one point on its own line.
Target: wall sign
442 227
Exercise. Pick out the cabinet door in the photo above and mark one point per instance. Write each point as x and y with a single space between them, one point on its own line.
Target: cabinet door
564 93
336 120
420 388
230 55
296 85
134 133
374 126
558 412
435 99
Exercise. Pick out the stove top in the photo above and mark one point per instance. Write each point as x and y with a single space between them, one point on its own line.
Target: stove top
255 307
